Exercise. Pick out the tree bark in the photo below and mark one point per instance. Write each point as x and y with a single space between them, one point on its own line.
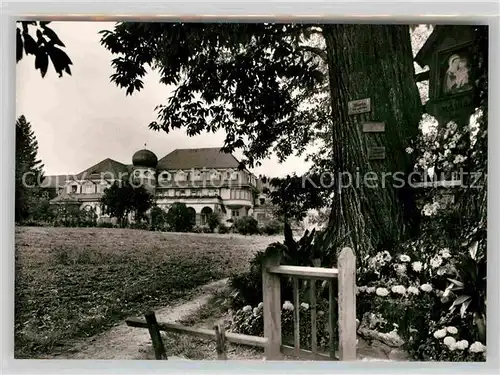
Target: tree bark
376 62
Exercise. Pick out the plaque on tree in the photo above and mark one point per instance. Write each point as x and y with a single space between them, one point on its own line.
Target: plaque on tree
448 54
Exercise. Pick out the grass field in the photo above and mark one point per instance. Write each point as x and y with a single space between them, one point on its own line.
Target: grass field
76 282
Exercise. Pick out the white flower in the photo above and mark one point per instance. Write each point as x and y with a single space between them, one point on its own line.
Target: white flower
399 289
436 261
477 347
409 150
445 253
247 308
413 290
304 305
288 306
370 290
382 292
362 289
449 341
459 159
452 330
416 266
430 209
404 258
260 305
400 268
441 271
439 334
462 345
426 287
255 311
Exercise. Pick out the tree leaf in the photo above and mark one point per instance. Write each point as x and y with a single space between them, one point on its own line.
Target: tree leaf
463 308
456 282
19 46
42 61
473 250
60 60
52 36
461 299
30 46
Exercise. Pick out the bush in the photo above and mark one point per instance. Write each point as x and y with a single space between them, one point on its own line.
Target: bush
105 225
272 228
213 221
158 219
197 229
250 321
247 225
430 292
179 218
140 225
223 229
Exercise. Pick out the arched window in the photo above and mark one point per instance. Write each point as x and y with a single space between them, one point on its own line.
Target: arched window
204 215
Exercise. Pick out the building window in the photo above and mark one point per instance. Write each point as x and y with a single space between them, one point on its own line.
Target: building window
262 201
180 176
196 176
235 213
164 176
74 188
180 193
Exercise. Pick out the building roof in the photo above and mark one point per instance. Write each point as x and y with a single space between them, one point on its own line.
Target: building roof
64 197
197 158
108 168
144 158
54 181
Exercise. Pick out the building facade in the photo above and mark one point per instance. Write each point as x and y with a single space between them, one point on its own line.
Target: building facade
204 179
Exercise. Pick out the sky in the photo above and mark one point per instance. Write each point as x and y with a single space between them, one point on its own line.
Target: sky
81 119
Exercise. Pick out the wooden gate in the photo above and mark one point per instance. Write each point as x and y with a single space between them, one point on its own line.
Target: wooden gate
272 272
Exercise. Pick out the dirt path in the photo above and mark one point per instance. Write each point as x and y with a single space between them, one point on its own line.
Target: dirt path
123 342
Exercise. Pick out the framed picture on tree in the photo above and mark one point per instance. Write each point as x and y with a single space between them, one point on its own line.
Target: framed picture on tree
455 71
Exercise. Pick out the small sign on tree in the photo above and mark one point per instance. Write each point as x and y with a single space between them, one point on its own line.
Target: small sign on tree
374 127
357 107
376 153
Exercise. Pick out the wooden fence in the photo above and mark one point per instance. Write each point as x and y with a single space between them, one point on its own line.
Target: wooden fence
272 340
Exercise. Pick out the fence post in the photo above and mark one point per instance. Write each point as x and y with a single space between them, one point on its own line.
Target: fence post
220 341
159 348
313 308
347 305
271 295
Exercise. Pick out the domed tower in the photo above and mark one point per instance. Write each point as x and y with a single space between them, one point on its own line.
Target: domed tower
144 169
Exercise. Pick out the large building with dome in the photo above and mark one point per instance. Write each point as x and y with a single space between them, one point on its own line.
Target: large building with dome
205 179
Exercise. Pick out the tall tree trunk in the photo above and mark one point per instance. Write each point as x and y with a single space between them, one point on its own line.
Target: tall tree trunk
376 62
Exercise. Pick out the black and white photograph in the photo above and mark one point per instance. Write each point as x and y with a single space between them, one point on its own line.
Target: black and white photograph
267 191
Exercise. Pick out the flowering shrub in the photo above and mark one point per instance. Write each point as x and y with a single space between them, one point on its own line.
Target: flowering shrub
435 295
249 321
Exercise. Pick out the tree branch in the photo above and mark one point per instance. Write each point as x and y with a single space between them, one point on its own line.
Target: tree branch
315 50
